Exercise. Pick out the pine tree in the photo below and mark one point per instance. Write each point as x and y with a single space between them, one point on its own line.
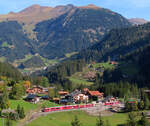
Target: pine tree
18 109
4 102
146 102
8 121
76 122
107 123
131 119
100 122
141 105
144 121
22 114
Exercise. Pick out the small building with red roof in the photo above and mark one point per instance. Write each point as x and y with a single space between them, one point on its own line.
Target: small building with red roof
95 95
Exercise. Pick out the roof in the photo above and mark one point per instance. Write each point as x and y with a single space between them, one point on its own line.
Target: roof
95 93
74 93
31 96
85 89
45 97
63 93
56 99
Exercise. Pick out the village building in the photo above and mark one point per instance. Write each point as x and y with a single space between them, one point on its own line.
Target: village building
77 97
113 62
33 98
62 94
37 90
95 95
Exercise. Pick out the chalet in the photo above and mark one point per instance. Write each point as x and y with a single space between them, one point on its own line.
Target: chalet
37 90
85 91
77 97
45 97
32 98
113 62
63 94
56 100
95 95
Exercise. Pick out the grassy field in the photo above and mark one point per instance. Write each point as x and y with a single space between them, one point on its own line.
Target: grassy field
30 106
65 118
80 81
104 65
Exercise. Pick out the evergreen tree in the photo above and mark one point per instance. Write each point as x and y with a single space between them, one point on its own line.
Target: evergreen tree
76 122
146 102
8 121
4 102
17 91
107 123
131 119
141 105
22 113
100 122
18 109
144 121
44 82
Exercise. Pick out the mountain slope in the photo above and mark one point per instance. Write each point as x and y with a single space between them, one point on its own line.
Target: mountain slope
14 44
69 29
9 71
75 30
118 43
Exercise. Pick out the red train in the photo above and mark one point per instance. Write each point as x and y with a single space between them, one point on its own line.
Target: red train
111 103
68 107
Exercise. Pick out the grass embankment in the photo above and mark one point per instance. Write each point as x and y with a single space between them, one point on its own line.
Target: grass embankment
28 107
65 118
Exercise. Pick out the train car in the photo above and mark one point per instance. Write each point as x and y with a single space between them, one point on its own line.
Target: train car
68 107
111 103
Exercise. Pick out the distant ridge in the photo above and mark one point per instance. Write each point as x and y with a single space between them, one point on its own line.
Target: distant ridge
138 21
90 6
35 14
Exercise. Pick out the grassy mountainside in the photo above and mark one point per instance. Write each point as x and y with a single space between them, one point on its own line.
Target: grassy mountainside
76 30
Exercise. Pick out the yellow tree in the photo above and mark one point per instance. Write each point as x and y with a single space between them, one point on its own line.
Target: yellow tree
27 84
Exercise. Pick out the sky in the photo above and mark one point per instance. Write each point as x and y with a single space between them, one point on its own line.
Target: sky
128 8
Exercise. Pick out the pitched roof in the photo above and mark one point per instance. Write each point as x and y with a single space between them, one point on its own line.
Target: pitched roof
74 93
95 93
63 93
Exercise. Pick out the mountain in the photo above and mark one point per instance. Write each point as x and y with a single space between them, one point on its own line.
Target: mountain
35 61
14 44
10 71
56 32
35 14
138 21
76 30
118 43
